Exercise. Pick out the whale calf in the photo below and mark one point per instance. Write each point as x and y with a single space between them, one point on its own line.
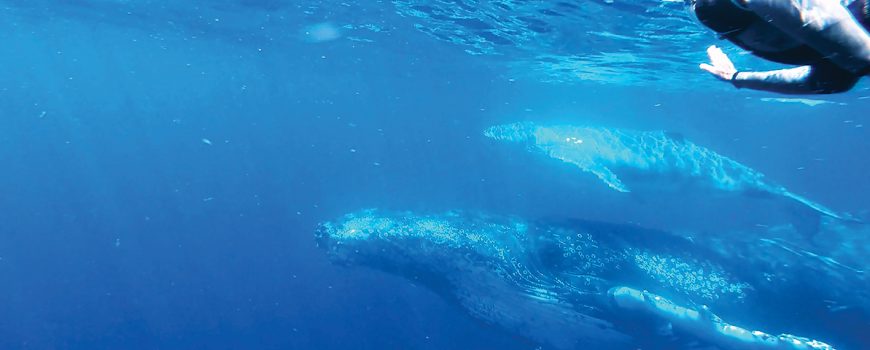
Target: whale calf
658 163
584 285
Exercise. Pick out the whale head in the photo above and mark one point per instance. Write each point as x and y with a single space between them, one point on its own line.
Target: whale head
575 144
416 243
522 132
494 268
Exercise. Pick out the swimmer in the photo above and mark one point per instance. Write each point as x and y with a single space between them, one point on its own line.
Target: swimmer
827 39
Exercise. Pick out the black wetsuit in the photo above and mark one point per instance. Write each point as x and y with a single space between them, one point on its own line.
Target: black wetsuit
731 19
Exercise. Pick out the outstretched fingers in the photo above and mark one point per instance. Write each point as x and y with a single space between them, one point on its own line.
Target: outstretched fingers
720 65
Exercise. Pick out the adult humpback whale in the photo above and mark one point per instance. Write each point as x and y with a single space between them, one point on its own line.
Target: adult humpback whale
657 163
586 285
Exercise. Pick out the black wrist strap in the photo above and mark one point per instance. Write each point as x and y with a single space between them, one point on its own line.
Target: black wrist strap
733 79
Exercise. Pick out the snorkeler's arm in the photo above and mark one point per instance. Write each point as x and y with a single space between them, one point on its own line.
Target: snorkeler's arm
825 25
820 79
823 78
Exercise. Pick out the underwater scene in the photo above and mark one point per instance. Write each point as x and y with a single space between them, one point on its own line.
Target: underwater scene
434 174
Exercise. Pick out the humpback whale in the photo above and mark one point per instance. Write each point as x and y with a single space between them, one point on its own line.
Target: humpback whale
657 163
588 285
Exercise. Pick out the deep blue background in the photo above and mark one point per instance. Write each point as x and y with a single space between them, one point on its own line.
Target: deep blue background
123 228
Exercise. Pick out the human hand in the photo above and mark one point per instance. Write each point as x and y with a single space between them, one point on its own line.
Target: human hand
720 65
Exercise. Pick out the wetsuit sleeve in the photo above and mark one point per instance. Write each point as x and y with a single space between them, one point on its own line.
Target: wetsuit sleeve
826 78
825 25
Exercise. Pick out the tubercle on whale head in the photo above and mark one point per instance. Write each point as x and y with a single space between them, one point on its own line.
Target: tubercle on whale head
368 236
340 237
323 238
346 252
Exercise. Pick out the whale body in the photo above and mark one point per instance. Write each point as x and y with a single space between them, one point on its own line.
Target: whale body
658 163
583 285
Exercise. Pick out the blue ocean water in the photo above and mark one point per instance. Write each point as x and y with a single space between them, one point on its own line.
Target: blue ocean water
166 163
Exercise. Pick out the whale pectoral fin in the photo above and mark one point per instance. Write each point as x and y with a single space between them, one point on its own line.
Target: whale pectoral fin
610 178
703 325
